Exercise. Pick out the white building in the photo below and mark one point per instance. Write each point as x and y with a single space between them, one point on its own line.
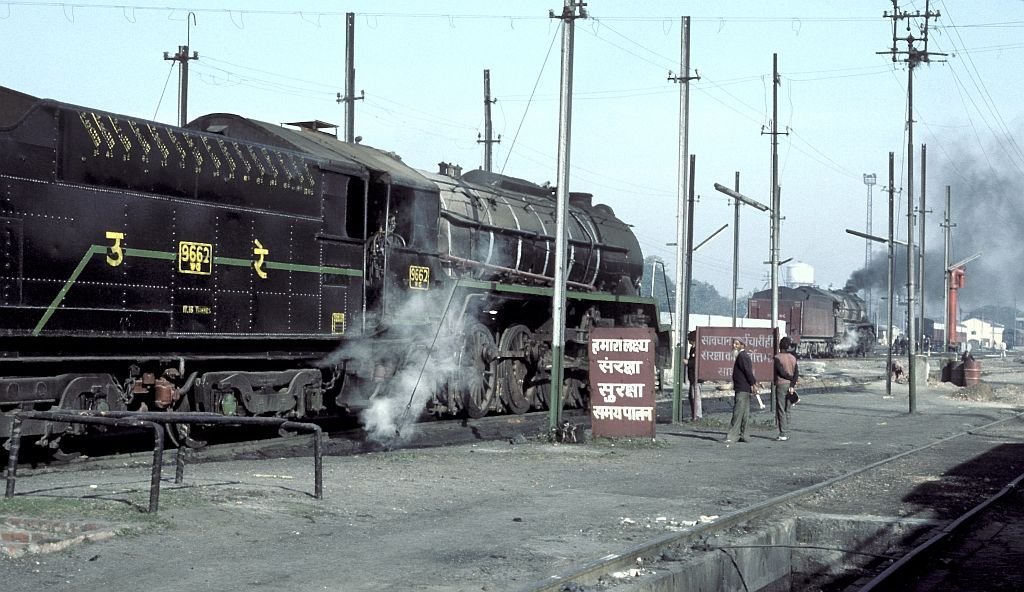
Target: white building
981 333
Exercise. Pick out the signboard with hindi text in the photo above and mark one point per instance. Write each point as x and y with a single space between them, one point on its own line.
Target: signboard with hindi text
622 381
715 357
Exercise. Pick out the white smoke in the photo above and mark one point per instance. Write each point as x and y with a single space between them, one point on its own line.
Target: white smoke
849 342
422 340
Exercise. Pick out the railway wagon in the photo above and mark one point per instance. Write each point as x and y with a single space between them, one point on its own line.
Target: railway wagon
245 268
822 323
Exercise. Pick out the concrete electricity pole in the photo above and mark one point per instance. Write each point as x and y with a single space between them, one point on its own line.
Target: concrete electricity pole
735 252
679 342
684 323
921 227
183 59
913 57
775 192
947 227
488 138
350 78
889 271
568 17
869 180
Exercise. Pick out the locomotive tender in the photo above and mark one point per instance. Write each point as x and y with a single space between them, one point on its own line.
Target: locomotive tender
244 268
822 323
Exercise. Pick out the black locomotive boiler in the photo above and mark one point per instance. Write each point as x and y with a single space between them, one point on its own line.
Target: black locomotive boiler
250 269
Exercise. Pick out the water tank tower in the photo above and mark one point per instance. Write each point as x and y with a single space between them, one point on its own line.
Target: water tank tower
798 274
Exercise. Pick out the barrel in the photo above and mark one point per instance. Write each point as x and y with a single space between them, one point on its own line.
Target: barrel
972 372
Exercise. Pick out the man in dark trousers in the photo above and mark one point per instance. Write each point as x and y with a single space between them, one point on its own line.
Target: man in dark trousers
744 384
691 375
784 385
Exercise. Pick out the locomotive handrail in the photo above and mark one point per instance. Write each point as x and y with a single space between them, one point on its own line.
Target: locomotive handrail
156 419
525 274
469 222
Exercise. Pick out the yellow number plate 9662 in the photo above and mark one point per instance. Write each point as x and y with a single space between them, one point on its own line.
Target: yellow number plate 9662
195 258
419 277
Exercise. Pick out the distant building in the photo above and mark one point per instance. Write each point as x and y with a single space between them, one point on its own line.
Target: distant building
981 333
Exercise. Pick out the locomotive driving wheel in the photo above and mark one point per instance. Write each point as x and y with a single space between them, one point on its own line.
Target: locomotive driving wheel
515 373
476 372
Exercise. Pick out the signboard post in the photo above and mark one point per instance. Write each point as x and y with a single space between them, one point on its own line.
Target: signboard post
622 381
714 351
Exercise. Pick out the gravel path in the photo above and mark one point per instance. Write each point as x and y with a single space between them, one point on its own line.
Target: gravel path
490 516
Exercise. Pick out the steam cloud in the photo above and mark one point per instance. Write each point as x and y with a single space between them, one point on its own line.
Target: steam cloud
425 358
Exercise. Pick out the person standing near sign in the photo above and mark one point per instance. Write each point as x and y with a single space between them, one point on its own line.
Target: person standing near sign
784 385
691 375
744 383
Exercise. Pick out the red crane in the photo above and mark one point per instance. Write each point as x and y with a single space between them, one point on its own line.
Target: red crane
956 281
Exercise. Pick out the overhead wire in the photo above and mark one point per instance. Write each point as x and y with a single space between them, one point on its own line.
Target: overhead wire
979 84
714 90
540 73
164 91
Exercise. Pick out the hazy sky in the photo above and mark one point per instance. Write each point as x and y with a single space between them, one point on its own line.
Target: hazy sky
421 65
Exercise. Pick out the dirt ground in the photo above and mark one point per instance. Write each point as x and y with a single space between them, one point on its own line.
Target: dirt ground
482 517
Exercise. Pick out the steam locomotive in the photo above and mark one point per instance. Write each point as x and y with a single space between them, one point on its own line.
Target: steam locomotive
250 269
822 323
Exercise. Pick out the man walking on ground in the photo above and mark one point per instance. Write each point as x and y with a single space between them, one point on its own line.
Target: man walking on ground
784 385
744 384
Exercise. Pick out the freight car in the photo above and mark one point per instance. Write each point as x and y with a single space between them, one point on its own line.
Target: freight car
250 269
823 323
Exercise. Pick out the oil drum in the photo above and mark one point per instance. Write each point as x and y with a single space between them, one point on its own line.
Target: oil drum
972 372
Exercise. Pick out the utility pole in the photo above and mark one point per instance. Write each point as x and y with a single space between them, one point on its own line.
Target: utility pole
869 180
487 129
568 18
679 342
921 227
183 59
685 321
488 138
947 227
775 192
350 78
738 198
913 57
888 276
735 251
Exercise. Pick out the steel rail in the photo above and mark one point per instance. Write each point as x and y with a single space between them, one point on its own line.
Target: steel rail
589 572
920 552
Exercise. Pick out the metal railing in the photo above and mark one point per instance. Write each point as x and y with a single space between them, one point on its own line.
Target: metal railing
156 421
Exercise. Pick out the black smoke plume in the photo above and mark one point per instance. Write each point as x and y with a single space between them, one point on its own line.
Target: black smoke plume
987 209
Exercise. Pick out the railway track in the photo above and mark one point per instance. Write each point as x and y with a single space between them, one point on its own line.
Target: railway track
873 528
